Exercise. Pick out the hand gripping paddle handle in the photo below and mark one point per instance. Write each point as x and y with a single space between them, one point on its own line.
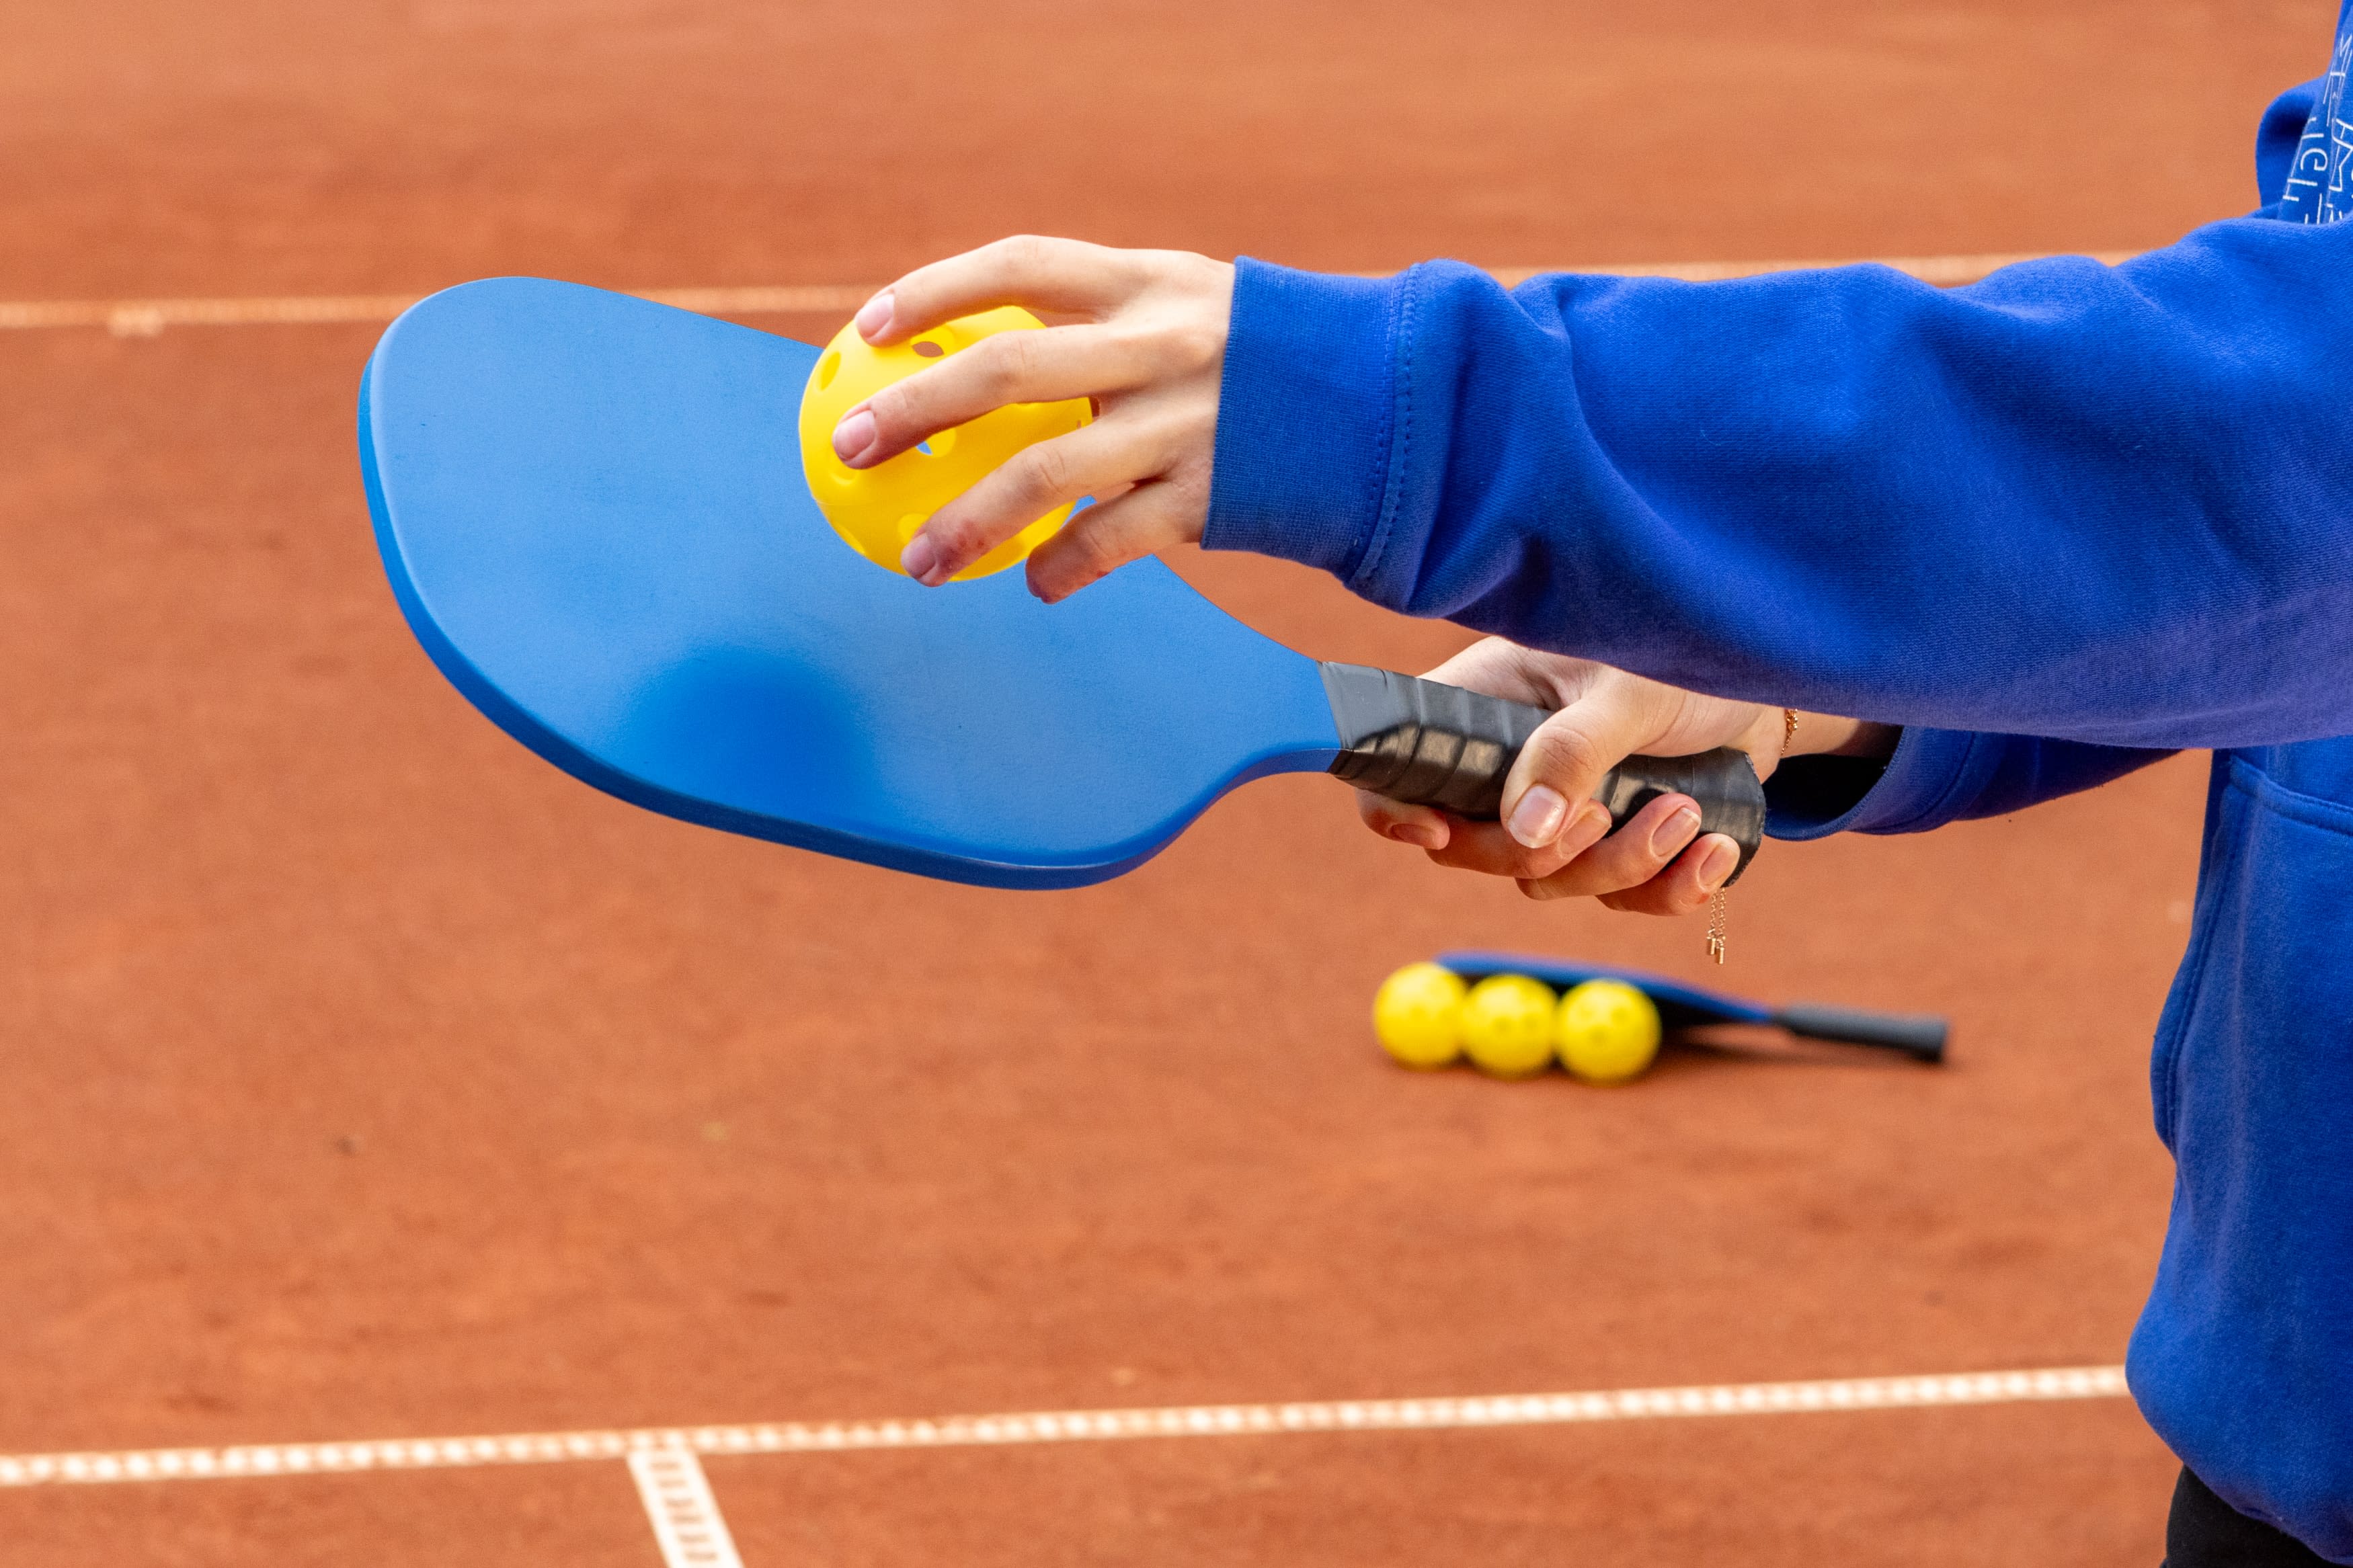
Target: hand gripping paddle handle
1425 743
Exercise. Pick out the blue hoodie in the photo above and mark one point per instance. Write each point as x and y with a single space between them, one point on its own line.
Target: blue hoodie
2056 524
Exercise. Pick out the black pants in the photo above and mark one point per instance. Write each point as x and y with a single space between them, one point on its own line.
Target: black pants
2207 1532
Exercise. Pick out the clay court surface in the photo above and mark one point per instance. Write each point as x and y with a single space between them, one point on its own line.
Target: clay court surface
366 1078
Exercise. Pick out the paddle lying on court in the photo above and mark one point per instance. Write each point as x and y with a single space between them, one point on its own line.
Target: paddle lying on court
1915 1034
592 512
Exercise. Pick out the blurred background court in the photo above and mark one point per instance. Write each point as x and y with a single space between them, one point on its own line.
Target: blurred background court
367 1077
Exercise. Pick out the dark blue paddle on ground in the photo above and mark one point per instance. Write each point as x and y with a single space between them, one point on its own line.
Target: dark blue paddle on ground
1916 1035
592 511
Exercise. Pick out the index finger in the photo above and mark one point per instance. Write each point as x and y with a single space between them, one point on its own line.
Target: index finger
1067 275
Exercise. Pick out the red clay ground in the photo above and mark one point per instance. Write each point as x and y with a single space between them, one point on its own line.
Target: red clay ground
365 1076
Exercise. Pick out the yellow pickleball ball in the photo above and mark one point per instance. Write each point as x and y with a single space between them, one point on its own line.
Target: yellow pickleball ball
1507 1026
1607 1031
1418 1014
878 510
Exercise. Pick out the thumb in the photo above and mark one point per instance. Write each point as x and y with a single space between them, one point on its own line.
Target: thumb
1562 766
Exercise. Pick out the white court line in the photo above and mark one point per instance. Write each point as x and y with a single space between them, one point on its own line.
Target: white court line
1072 1426
145 318
685 1516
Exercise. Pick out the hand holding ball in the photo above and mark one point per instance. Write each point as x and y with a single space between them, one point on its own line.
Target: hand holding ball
879 510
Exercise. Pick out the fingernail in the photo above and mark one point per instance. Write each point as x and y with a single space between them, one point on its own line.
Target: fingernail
1723 859
1676 832
919 560
874 315
1420 835
1536 820
853 435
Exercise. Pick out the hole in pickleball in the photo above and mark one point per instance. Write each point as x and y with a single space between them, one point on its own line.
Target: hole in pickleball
825 368
925 449
928 349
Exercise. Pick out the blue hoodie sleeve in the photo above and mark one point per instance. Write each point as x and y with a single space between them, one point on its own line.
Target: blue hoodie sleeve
2105 504
1938 776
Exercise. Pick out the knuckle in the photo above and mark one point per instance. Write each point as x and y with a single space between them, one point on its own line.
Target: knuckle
1183 492
1021 354
1005 362
1107 549
1047 473
889 407
1132 346
1581 881
1630 866
1562 751
1096 549
1534 864
1452 856
1196 345
1025 253
1609 873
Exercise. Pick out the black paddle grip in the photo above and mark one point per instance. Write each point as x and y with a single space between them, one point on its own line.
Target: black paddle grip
1916 1035
1425 743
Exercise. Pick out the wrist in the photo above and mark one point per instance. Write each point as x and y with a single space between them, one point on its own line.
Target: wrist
1828 735
1766 739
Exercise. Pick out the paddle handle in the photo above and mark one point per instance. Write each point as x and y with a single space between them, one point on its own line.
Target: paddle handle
1425 743
1916 1035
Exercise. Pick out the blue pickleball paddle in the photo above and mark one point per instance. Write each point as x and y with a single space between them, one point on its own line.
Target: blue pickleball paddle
592 511
1919 1035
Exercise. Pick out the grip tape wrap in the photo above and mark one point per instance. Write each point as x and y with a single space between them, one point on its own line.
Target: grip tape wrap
1424 743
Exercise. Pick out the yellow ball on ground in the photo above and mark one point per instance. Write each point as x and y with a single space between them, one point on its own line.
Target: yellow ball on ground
879 510
1418 1014
1607 1031
1507 1026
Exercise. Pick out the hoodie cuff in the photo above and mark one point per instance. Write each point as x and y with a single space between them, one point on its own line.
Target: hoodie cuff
1306 415
1932 777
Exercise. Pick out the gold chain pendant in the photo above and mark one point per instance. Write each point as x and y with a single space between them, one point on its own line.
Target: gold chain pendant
1719 902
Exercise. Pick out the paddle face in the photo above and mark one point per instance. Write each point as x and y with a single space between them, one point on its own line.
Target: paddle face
592 511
